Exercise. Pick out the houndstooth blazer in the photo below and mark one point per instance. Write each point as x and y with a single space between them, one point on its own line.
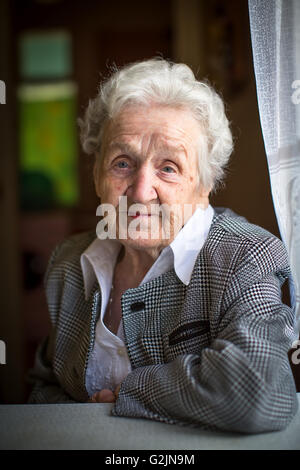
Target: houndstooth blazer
211 354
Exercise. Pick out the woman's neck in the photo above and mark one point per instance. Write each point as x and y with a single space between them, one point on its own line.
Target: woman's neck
133 266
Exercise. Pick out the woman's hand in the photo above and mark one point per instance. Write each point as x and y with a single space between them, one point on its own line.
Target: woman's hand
105 396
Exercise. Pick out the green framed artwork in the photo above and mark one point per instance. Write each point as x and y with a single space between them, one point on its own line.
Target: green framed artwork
48 145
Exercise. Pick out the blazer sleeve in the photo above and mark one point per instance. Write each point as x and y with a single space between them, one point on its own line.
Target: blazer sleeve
46 388
242 382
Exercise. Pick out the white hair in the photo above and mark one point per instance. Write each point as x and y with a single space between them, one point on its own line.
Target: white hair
157 81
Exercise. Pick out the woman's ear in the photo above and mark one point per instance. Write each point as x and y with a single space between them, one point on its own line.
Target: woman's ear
203 197
205 192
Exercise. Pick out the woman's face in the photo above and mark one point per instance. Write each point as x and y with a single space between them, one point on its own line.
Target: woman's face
150 156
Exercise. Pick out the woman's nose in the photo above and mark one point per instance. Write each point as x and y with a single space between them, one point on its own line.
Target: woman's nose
142 189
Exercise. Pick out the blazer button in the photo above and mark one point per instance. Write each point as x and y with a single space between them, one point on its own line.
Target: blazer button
137 306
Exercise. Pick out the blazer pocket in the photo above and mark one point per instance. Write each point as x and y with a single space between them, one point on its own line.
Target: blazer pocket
188 331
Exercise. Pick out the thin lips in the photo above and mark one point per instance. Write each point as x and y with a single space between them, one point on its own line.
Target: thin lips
140 215
133 214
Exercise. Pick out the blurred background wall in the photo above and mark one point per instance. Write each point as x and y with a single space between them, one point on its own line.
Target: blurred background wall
52 55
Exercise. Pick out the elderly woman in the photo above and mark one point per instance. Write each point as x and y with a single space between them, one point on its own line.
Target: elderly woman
173 311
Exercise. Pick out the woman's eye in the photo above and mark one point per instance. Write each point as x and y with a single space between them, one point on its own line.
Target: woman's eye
168 169
122 164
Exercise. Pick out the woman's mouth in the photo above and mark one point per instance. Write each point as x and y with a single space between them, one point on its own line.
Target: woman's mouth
138 214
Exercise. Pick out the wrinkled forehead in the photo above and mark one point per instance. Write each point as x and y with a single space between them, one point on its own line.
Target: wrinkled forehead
167 128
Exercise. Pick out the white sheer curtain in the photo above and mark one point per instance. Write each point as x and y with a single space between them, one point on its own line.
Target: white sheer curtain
275 34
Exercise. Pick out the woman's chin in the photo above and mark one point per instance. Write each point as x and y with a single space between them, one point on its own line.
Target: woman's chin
142 242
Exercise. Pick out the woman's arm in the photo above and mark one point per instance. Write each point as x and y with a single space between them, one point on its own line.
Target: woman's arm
46 388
